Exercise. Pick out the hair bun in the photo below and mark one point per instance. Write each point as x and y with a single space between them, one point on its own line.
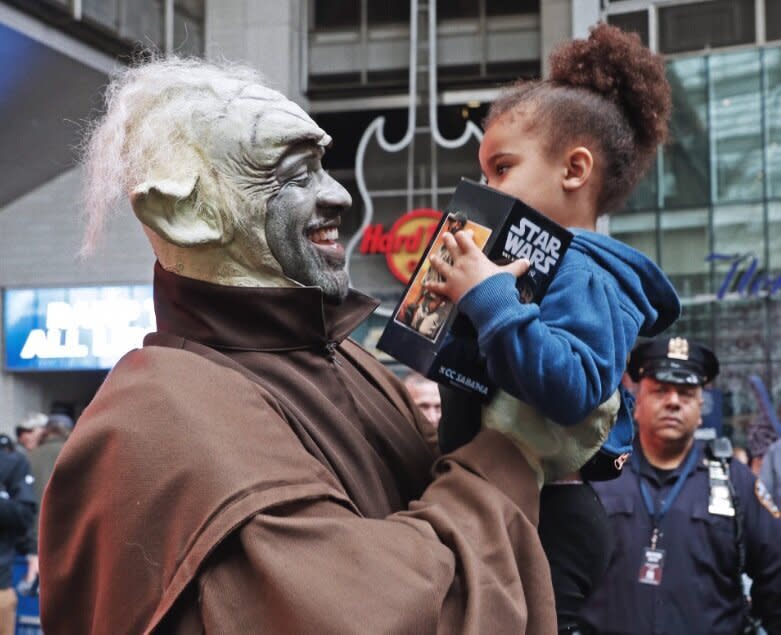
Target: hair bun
618 66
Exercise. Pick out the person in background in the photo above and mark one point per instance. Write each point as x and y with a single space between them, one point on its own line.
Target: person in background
761 435
42 459
687 521
740 454
17 513
29 431
770 472
425 394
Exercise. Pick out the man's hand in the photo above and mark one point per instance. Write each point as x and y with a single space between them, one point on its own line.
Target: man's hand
32 568
470 267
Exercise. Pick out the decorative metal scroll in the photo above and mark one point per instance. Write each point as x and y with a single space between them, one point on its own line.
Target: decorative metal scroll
376 129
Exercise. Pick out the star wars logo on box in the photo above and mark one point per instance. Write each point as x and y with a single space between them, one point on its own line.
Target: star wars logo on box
426 332
528 240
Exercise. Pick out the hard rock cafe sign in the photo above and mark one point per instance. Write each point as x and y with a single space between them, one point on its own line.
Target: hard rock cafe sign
402 244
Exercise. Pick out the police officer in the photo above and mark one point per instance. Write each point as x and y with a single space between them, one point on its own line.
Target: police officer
685 522
17 510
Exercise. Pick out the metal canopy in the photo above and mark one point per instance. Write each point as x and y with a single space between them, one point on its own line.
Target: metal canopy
46 98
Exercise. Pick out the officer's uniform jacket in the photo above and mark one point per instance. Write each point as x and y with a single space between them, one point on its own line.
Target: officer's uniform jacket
700 592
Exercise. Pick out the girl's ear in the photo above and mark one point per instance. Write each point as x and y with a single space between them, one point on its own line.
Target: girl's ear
578 169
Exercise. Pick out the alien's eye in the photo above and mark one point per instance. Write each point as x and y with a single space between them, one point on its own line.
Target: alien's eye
300 178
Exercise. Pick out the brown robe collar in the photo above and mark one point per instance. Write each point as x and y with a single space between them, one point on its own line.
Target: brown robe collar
225 317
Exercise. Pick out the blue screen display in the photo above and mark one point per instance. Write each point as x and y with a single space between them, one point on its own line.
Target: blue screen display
78 328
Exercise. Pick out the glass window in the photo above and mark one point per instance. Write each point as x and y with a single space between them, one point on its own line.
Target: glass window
774 236
511 7
636 229
384 171
772 69
460 162
347 128
739 330
739 240
142 22
383 12
105 12
686 177
736 122
689 27
193 8
775 386
739 403
634 22
774 320
773 19
644 195
456 9
683 249
188 27
337 14
739 229
696 321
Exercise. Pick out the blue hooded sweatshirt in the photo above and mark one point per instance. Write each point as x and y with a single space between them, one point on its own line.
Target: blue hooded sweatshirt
566 356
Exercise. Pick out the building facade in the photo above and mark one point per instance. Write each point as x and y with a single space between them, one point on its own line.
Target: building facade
402 88
709 211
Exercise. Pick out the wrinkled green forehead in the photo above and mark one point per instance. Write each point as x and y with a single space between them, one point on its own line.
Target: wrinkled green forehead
261 124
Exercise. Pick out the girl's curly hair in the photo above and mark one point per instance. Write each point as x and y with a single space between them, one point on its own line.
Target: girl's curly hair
608 92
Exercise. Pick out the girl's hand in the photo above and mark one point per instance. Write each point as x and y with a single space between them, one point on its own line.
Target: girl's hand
470 267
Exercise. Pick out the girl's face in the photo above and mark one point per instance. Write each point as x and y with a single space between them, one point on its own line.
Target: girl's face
514 161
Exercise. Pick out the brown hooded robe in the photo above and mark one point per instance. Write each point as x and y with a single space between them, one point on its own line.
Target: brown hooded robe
250 470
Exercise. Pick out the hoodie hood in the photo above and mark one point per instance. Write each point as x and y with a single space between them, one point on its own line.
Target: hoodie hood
640 279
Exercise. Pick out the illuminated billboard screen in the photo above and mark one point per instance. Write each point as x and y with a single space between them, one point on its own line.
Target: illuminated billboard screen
78 328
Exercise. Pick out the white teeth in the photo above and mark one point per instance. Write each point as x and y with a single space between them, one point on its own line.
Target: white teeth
330 234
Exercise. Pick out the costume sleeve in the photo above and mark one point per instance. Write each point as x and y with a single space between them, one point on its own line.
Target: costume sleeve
762 529
17 501
465 558
573 344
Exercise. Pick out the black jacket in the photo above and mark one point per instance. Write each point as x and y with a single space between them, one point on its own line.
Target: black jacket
17 508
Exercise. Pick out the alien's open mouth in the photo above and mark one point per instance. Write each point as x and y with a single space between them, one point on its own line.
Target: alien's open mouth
326 236
326 242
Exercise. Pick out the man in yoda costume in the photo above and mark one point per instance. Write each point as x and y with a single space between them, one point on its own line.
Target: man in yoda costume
251 469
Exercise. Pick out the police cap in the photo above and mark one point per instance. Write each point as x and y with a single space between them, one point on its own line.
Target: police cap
673 360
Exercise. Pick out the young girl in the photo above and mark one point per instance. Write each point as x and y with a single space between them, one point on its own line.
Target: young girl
573 147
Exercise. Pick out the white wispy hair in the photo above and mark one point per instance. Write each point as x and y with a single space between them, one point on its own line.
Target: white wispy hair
149 126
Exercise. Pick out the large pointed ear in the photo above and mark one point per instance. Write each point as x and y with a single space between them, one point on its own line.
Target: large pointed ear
170 209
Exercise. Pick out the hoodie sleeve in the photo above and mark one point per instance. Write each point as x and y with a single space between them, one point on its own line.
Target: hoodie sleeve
563 357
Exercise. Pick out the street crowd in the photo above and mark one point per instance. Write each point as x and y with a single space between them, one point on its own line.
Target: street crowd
253 469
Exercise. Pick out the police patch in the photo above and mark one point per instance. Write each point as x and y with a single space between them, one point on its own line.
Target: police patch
765 499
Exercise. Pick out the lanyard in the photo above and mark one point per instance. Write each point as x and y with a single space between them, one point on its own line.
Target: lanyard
658 514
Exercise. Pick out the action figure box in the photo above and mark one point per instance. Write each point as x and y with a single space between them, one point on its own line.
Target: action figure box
426 331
